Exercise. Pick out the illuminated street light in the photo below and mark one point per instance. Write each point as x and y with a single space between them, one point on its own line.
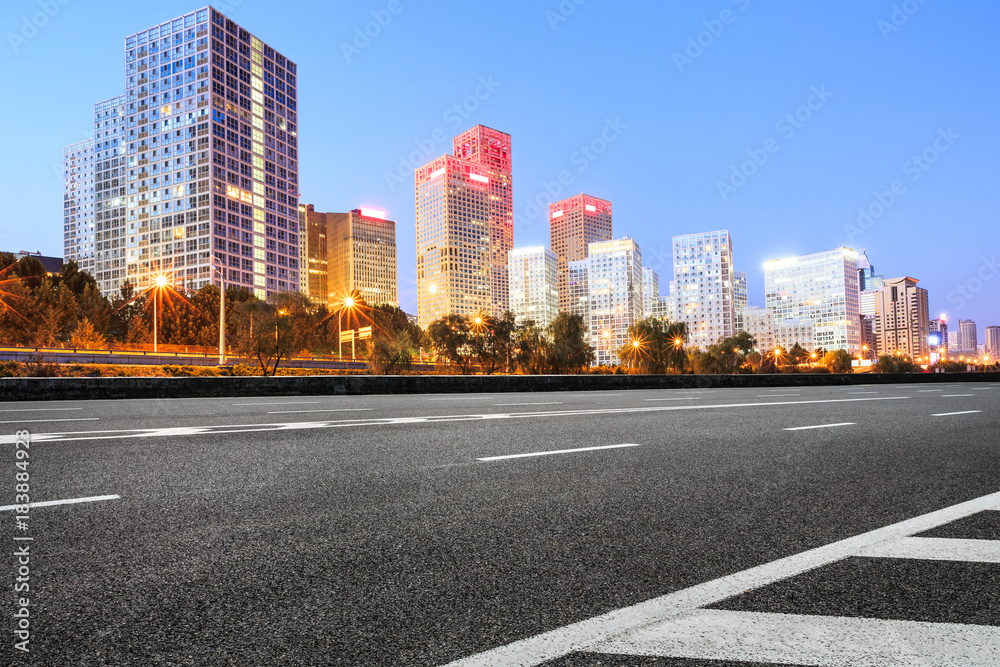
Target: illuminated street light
159 282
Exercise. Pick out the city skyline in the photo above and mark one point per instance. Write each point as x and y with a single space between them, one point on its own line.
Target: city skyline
806 221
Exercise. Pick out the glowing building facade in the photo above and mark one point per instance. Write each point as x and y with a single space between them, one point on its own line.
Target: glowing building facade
534 293
211 143
614 278
703 286
110 237
361 252
78 204
650 291
491 148
821 288
903 319
741 299
574 224
454 260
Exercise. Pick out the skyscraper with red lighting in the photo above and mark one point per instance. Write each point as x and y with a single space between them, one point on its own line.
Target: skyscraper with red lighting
491 148
574 224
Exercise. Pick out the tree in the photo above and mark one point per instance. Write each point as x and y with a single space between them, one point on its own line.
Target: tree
531 350
838 361
895 364
493 341
86 337
449 336
655 347
394 340
129 320
569 351
53 311
271 331
798 354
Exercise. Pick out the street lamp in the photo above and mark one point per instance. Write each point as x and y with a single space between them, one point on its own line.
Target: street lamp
349 302
159 282
222 309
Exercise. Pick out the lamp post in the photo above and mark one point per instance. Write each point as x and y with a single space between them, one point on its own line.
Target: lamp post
222 309
348 303
158 284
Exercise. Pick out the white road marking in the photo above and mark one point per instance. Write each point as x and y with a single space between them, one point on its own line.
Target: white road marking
951 414
956 395
555 451
777 395
292 412
69 501
685 398
460 398
928 390
936 548
862 392
594 395
42 410
39 421
806 428
545 403
222 429
283 403
811 640
584 635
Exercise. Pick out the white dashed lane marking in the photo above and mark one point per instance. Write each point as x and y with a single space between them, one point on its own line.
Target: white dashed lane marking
68 501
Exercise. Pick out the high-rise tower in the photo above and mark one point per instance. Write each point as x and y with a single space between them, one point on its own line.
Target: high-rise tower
574 224
491 148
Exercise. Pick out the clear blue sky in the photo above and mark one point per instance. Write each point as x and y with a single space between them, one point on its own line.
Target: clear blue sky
555 84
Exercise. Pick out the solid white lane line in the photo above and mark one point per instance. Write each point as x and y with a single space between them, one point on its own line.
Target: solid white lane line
777 395
936 548
283 403
928 390
460 398
217 429
68 501
39 421
956 395
806 428
555 451
951 414
542 403
42 410
584 634
292 412
811 640
862 392
685 398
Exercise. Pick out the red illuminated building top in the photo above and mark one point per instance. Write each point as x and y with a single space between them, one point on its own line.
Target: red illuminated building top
484 145
582 202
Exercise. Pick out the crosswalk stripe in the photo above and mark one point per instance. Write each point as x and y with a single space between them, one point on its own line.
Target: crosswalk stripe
936 548
831 641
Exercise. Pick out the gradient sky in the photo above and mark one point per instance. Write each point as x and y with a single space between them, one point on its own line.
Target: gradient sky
557 78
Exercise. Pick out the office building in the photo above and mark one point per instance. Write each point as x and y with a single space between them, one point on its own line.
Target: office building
578 290
361 257
110 161
968 338
759 323
534 285
821 288
938 336
211 150
740 299
313 259
491 148
703 286
614 276
650 290
574 224
903 319
78 204
993 342
454 261
794 332
868 280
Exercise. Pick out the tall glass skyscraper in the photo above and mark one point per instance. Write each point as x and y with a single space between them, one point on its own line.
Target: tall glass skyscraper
78 204
650 291
574 224
741 299
703 286
491 148
614 279
822 288
454 262
534 292
198 161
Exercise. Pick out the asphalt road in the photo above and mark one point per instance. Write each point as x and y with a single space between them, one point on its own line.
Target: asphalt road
369 530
